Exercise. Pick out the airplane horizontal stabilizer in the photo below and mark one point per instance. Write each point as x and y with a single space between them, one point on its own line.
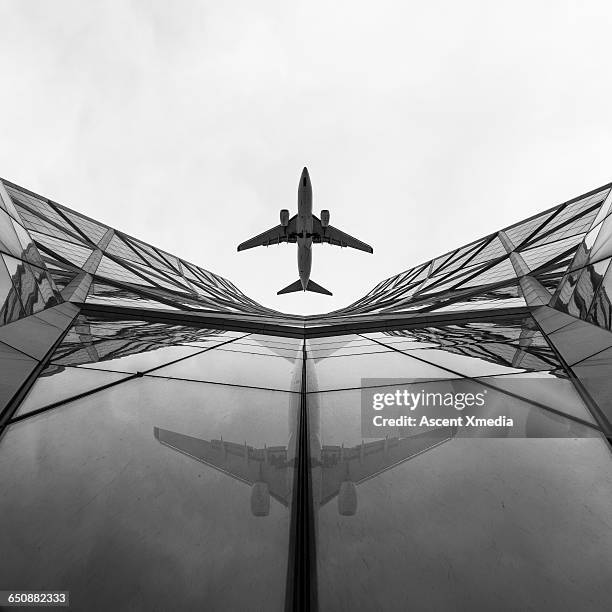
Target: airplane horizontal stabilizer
292 288
312 286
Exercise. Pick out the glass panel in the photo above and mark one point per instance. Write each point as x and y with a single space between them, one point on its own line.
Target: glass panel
272 341
315 342
37 204
390 526
348 372
159 279
551 277
566 289
483 303
604 209
261 371
150 255
519 233
29 251
15 368
93 230
466 364
594 374
580 225
101 355
602 247
8 203
170 258
444 280
551 320
351 349
538 256
48 291
436 263
168 495
10 304
25 283
494 249
550 390
101 293
579 340
38 224
118 248
504 270
573 209
460 257
138 333
253 349
9 242
74 253
59 383
601 312
115 271
586 286
132 346
581 257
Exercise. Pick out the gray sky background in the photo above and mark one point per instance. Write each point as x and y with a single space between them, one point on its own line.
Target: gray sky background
424 125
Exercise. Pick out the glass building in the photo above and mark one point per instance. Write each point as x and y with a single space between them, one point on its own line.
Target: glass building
167 443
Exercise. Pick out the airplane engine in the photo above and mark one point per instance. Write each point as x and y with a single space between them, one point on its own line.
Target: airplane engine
347 499
284 217
324 218
260 499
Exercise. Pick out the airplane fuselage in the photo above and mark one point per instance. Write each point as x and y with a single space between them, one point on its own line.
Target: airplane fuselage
304 228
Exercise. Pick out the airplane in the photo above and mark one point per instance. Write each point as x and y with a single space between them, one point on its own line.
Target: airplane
305 229
336 470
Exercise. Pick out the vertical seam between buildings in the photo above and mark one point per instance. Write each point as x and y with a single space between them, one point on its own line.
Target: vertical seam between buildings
301 593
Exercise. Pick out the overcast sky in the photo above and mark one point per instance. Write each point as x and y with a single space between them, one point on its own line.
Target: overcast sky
424 125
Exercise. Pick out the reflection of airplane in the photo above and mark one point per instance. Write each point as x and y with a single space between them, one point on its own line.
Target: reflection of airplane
304 228
335 470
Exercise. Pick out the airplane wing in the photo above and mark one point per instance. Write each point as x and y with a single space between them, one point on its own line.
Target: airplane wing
360 463
242 462
276 235
332 235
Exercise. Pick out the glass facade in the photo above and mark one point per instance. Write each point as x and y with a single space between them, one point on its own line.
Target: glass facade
168 443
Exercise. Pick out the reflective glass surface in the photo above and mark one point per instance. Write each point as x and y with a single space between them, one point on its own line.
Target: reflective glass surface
154 357
594 374
586 286
9 243
72 252
145 495
25 283
108 342
602 246
10 304
152 462
462 524
601 310
14 367
580 340
57 383
266 371
347 372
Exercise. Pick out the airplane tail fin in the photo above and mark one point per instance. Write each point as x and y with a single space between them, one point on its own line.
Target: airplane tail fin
312 286
297 286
